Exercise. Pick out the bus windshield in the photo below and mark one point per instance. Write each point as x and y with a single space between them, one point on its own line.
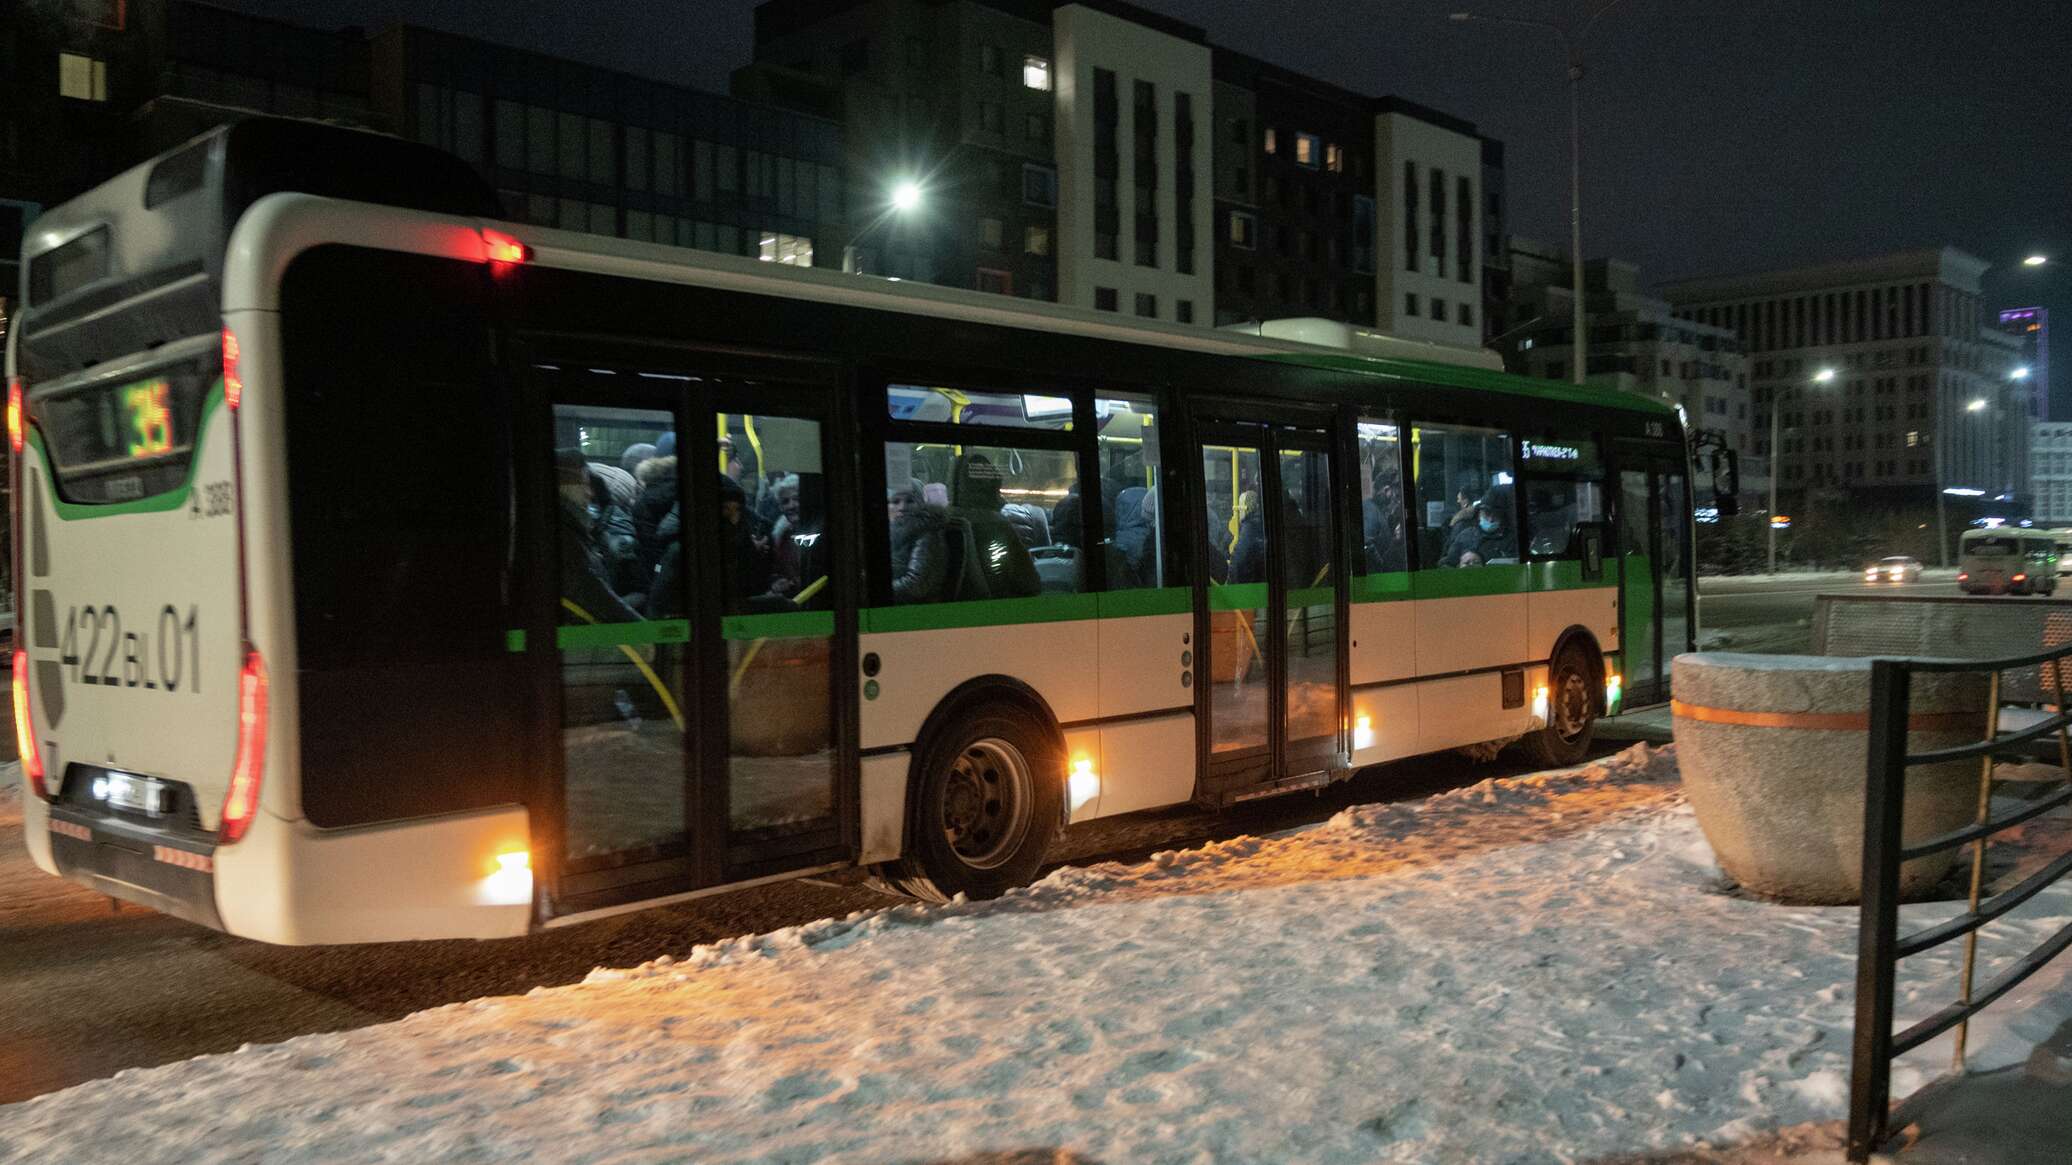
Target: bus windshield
125 437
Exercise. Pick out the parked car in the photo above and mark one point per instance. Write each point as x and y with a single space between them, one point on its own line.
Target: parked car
1898 569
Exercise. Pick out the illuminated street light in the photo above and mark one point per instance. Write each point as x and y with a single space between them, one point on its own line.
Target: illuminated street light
1976 406
2020 373
906 196
1823 376
2035 260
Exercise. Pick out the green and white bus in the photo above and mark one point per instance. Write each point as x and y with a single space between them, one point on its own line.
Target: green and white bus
388 571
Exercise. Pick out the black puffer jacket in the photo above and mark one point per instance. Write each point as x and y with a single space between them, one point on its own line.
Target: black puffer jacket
920 558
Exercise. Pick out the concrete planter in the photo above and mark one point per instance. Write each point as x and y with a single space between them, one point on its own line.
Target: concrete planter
1772 753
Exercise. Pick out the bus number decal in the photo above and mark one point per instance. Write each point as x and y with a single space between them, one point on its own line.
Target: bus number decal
178 654
211 500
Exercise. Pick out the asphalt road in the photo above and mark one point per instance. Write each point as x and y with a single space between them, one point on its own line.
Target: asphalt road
87 990
1774 613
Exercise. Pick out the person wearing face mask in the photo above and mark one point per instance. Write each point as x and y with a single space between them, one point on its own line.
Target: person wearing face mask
1498 541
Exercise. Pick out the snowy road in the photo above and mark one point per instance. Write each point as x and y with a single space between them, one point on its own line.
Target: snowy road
1540 969
85 993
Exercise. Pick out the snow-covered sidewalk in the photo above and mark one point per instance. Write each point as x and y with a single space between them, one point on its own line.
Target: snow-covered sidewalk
1536 969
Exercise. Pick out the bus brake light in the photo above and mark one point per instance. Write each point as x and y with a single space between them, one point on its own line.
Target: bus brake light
498 247
24 729
241 800
14 413
233 374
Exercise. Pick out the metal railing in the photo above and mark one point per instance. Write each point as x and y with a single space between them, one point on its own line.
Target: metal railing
1880 946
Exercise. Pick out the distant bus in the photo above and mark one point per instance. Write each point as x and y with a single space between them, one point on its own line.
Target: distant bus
2064 543
2007 560
388 571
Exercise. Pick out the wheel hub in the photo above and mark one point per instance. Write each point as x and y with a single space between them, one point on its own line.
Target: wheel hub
986 802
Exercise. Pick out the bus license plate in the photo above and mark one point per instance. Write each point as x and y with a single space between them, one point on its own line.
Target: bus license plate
135 794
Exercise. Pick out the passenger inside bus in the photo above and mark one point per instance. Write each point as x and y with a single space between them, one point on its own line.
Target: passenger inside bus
920 558
1248 553
585 567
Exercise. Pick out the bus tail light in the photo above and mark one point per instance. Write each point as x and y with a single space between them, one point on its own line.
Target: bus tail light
241 801
15 415
24 729
498 247
233 373
2019 578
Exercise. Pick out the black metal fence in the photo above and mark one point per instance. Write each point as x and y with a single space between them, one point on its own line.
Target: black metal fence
1880 946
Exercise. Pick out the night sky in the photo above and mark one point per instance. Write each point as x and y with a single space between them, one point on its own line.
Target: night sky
1718 135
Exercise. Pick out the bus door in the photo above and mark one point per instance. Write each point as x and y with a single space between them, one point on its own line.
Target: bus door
697 578
1655 572
1270 606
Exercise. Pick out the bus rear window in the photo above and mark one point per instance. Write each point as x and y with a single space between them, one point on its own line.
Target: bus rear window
120 440
1991 547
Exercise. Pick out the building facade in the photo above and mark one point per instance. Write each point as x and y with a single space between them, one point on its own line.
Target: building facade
1429 171
1637 343
2031 327
1922 398
2050 473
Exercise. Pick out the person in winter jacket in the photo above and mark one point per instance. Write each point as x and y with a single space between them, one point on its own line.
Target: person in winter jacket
585 575
920 557
1248 553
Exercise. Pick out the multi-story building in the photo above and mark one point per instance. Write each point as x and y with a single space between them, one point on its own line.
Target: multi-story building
1110 157
2031 326
1921 398
1636 341
2050 472
1496 244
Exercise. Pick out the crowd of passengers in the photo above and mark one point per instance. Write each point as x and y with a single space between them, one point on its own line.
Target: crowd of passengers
948 540
622 554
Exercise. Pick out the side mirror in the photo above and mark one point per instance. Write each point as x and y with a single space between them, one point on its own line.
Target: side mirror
1726 482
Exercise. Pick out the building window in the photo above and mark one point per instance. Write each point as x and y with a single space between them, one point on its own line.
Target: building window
1240 131
1038 128
992 117
1334 158
1410 219
990 60
1183 310
1438 309
1410 304
1104 299
1036 239
1036 74
1309 151
790 250
1039 185
1147 305
1272 142
82 78
989 232
1465 313
1244 230
997 282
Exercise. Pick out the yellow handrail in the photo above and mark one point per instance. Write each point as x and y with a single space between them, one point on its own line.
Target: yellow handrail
661 689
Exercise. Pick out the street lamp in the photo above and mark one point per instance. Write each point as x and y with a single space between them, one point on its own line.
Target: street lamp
2018 372
1571 48
2035 260
1824 376
1977 405
907 196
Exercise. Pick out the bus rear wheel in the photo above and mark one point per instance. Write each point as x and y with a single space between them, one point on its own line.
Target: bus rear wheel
989 799
1571 712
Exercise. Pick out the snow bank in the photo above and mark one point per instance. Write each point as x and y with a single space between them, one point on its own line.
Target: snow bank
1539 969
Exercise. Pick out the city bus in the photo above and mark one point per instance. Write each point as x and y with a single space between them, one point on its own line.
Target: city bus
388 570
2007 560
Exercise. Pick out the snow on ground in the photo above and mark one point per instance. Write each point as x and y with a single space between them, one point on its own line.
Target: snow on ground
1538 969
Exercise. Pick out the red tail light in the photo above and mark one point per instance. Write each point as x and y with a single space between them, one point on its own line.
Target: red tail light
498 247
24 728
14 413
1962 575
233 378
2020 577
241 800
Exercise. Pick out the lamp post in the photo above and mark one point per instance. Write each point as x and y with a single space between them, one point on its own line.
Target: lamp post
1824 376
906 197
1570 48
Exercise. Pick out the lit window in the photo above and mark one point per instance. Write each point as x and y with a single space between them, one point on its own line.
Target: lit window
1036 73
1036 239
1334 158
1243 228
1308 150
82 78
790 250
1272 143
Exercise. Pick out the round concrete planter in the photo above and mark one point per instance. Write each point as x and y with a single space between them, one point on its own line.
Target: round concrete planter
1772 749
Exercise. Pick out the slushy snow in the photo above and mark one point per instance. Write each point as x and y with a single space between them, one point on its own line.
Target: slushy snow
1536 969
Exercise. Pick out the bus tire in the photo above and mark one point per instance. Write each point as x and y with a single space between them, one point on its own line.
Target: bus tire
1572 709
989 797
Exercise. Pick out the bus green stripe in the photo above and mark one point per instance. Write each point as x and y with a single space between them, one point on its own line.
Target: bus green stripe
614 634
1236 596
980 613
782 625
1386 587
1459 376
1148 601
1312 597
157 503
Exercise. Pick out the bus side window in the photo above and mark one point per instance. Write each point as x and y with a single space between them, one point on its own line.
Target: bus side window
1383 516
1130 475
1467 508
969 522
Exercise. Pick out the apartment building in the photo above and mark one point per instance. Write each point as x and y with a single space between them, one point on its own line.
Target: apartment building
2050 472
1922 397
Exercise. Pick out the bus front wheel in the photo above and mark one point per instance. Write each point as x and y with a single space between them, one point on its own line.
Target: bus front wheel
1571 712
989 789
